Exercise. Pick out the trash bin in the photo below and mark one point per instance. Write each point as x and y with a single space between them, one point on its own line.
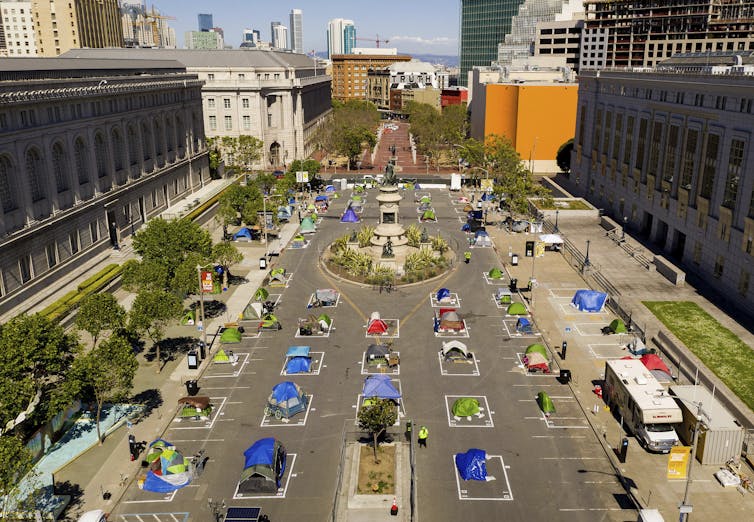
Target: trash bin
262 263
192 387
565 376
623 451
514 260
193 360
529 249
513 286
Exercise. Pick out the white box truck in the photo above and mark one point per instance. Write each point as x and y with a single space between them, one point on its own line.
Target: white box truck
645 407
455 182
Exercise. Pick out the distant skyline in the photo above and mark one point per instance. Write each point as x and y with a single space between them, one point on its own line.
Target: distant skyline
413 26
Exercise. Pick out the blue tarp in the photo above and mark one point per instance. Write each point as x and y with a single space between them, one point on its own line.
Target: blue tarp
481 232
244 232
589 300
443 293
284 390
261 452
320 198
472 465
349 216
329 188
298 364
476 214
159 484
522 322
298 351
381 387
465 227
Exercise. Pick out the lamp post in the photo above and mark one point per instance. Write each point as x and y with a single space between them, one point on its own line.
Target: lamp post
623 232
556 229
684 507
587 262
264 225
201 302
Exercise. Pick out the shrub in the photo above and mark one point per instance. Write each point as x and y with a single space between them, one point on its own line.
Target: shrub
364 235
413 235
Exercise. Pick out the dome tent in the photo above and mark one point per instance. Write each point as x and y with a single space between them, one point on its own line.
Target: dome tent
517 309
472 465
264 465
465 407
495 273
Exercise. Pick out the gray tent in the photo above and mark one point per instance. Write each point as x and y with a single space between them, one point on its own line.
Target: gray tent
455 350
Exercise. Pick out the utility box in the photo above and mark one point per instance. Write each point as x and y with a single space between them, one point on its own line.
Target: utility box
514 260
262 263
530 249
193 360
721 437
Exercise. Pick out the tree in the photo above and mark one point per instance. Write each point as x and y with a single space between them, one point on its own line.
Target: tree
239 204
563 158
215 156
15 462
376 417
226 254
150 314
352 141
137 275
100 312
186 278
242 152
105 374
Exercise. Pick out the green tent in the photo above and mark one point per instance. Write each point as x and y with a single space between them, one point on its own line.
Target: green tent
465 407
307 226
545 403
276 271
189 318
428 215
517 309
356 197
425 199
270 322
617 326
538 348
495 273
324 319
221 357
261 295
230 336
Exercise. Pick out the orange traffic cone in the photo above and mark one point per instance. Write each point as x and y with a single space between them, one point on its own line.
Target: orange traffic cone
394 508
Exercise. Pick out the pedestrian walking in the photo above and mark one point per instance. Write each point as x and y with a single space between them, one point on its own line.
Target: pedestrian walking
423 435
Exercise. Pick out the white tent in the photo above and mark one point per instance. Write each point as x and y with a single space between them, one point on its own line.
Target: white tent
551 239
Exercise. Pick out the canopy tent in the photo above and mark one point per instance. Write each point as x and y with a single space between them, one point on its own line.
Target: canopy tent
244 234
495 273
443 294
535 361
465 407
168 469
230 336
428 215
657 367
376 326
298 351
617 326
537 348
287 398
455 350
545 403
589 300
321 197
264 465
517 309
307 226
380 386
472 465
551 239
261 294
349 216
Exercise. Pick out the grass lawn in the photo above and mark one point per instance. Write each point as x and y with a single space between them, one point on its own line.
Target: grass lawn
563 204
717 347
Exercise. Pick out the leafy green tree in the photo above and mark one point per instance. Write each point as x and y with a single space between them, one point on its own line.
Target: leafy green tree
150 314
376 417
105 374
349 128
265 182
239 204
226 254
186 276
352 141
563 158
241 152
98 313
144 274
15 462
215 156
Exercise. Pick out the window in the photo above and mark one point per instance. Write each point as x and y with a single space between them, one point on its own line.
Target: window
34 172
654 149
100 155
133 146
212 122
210 103
720 102
146 139
689 153
597 130
629 140
228 123
210 76
7 175
73 241
606 139
709 167
719 267
697 253
94 231
735 162
241 76
245 103
247 123
226 103
670 154
25 267
617 136
641 144
59 167
118 150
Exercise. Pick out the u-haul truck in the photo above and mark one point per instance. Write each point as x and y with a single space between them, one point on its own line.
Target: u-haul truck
648 412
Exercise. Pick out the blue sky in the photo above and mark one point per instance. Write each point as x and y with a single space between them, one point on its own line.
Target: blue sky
413 26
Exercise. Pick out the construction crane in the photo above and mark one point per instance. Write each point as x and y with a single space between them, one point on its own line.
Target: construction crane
153 18
376 40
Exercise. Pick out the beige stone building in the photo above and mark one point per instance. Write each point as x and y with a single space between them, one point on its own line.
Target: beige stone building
72 24
17 29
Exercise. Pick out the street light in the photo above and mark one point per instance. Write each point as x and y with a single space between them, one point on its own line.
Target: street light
587 262
623 233
684 507
201 302
556 229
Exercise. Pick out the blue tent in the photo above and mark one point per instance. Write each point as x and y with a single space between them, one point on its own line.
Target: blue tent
472 465
381 387
481 232
466 227
264 465
285 390
298 351
244 232
476 214
298 365
443 293
168 469
523 325
349 216
589 300
329 188
320 198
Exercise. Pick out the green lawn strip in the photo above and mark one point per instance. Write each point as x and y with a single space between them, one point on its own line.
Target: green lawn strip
718 348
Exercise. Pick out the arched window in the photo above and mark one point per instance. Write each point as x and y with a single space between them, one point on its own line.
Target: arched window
60 167
157 139
100 155
34 172
146 139
81 160
170 134
7 193
118 149
181 132
133 146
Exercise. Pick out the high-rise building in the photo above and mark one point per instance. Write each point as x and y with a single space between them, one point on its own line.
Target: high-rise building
250 36
203 40
484 24
279 35
17 29
204 22
341 37
93 23
143 28
297 30
642 33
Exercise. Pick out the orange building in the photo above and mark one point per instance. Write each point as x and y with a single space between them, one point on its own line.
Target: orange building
537 117
349 73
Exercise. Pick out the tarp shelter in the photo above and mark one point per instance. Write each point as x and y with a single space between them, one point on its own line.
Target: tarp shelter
244 234
264 465
535 361
519 226
298 351
428 215
482 238
476 214
455 350
230 336
298 365
189 318
517 309
504 296
320 198
545 403
472 465
589 300
551 239
523 325
261 294
168 469
377 351
465 407
617 326
307 226
380 386
196 406
443 294
286 400
495 273
657 367
349 216
326 296
376 326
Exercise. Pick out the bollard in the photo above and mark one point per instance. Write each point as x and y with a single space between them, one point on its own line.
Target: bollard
623 450
563 349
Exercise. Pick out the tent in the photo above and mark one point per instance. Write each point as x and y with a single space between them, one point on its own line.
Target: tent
519 226
189 318
168 469
447 319
380 386
298 364
221 357
465 407
504 296
472 465
326 296
517 309
286 400
428 215
376 326
264 465
444 296
329 188
356 198
455 351
617 326
523 325
198 407
381 354
657 367
244 234
251 311
230 336
324 322
307 226
424 206
261 294
468 207
551 239
321 197
277 275
538 348
270 322
425 199
545 403
298 351
284 213
535 361
589 300
482 238
298 241
349 216
495 273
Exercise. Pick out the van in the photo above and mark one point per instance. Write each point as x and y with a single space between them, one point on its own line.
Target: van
93 516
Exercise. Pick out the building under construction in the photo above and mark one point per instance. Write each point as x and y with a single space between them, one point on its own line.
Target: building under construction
642 33
146 28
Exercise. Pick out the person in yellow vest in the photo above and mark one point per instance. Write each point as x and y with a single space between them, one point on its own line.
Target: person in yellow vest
423 435
467 256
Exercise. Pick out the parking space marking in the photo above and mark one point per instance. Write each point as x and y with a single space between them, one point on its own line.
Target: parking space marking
491 281
390 334
589 329
482 420
319 335
606 351
166 498
175 516
318 362
235 373
514 333
287 422
208 425
470 363
454 301
505 490
562 292
280 492
381 368
285 284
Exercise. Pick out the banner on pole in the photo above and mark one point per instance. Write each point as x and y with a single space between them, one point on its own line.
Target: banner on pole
206 281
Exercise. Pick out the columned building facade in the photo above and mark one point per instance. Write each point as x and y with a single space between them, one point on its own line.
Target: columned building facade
89 151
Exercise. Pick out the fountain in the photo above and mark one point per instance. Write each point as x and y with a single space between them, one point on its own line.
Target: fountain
389 236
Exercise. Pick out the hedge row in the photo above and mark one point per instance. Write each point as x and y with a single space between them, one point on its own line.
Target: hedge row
66 304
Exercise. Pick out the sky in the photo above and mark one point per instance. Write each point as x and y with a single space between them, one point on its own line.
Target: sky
413 26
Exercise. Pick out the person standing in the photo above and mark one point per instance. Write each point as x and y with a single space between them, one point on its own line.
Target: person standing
467 257
423 435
